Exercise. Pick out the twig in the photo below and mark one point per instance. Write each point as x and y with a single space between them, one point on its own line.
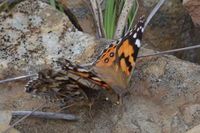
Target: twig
123 18
3 3
17 78
100 18
90 64
49 115
23 118
96 16
153 12
170 51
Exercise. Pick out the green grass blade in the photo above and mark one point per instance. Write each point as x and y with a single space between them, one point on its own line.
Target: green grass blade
61 8
53 3
109 15
112 28
131 14
121 4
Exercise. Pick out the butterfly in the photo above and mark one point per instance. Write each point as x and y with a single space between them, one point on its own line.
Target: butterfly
112 70
116 64
57 87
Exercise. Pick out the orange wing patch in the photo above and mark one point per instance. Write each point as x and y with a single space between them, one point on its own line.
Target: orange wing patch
127 49
108 56
124 66
80 71
85 75
93 79
126 59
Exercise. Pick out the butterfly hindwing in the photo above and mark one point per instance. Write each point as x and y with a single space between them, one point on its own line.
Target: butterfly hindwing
57 87
82 72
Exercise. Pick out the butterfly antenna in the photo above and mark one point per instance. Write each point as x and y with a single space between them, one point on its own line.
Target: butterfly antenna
170 51
23 118
153 12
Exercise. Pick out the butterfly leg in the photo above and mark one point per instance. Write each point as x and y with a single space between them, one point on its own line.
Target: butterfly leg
120 99
121 107
66 107
90 103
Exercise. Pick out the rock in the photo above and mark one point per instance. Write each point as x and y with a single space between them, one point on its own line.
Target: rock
164 91
5 117
4 127
35 34
193 7
80 12
171 28
194 130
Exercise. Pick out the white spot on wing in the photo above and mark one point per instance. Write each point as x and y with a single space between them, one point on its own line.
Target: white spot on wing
97 79
142 29
71 68
120 40
135 35
138 43
82 70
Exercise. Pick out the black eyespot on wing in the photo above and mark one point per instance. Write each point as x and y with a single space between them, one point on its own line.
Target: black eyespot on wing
111 54
106 60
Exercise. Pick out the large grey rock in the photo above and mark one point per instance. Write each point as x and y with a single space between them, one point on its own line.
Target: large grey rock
34 34
81 14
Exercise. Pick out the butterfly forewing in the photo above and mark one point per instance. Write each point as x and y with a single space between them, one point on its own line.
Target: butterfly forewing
82 72
116 63
127 50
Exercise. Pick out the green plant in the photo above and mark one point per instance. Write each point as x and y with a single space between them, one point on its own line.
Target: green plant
112 11
53 3
131 14
110 18
7 6
56 5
